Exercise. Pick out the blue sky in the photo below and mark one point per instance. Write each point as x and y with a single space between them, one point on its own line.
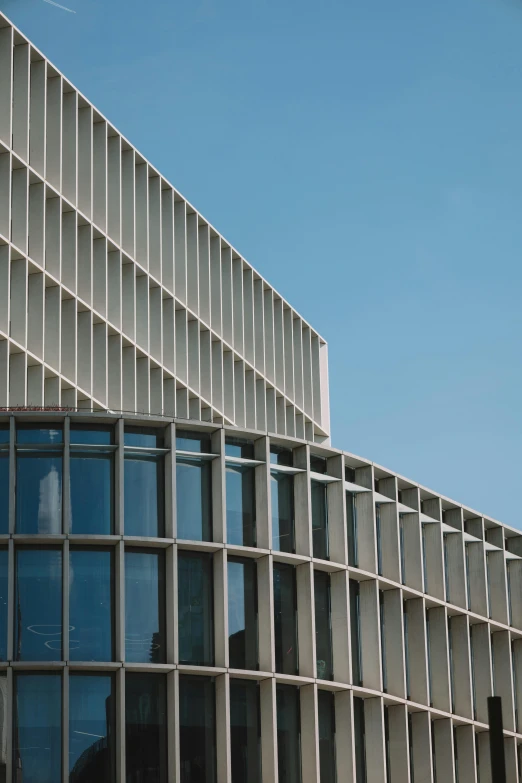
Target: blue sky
366 157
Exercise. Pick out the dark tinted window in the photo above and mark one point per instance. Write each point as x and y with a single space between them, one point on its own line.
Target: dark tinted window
38 601
91 728
355 633
145 728
92 493
91 435
144 496
197 730
4 492
143 437
282 489
242 613
245 731
198 442
360 740
285 618
39 433
323 630
351 523
281 456
195 608
326 715
319 520
235 447
288 734
4 586
193 499
144 606
241 505
90 605
37 730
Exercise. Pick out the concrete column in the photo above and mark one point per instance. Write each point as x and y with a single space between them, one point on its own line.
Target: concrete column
478 597
399 757
337 511
390 544
365 510
340 619
422 747
309 733
344 737
503 676
439 658
223 728
461 654
394 643
483 678
444 753
306 620
375 748
465 737
417 647
267 695
412 541
303 502
370 635
433 548
220 608
497 586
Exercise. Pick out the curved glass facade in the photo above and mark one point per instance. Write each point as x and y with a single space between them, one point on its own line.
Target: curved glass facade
175 608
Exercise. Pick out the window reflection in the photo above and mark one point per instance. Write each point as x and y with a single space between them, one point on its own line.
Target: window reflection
241 506
245 731
39 434
288 734
92 500
197 442
323 629
319 520
145 728
242 613
197 729
238 447
143 437
282 490
92 435
144 494
326 719
90 608
195 608
285 618
4 492
91 729
38 605
144 606
193 499
39 492
37 729
4 586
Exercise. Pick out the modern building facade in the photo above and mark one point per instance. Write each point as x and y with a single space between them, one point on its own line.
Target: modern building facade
195 587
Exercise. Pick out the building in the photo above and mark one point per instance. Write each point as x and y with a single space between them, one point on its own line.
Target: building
195 587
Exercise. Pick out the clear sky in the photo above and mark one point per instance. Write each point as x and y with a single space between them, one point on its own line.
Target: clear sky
366 157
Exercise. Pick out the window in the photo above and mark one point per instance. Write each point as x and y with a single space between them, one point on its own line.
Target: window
282 490
406 648
319 520
288 734
242 613
360 740
4 491
285 618
402 549
196 608
37 728
144 606
3 724
197 729
245 731
355 633
39 466
4 588
145 728
238 447
378 536
144 481
241 505
91 728
323 625
387 742
326 715
91 604
382 621
194 499
351 522
194 441
92 482
38 602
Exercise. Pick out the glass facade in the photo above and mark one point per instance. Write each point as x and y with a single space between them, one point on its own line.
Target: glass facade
319 520
282 489
245 731
37 730
92 480
285 618
197 729
92 751
323 625
242 613
144 495
351 523
146 728
4 595
360 740
4 491
288 734
196 608
194 499
326 719
241 505
39 492
355 633
144 606
38 604
91 601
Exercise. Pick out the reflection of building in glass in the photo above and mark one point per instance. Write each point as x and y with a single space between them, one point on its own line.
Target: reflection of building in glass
195 587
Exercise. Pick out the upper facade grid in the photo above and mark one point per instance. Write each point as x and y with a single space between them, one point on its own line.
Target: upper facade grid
115 293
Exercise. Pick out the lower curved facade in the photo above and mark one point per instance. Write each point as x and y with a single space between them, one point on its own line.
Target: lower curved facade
186 603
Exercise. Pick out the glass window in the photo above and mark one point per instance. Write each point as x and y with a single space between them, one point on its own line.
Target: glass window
144 496
4 433
360 740
288 734
39 433
402 548
39 492
245 731
323 625
317 464
4 587
4 492
242 613
143 437
355 633
351 522
145 728
241 505
194 499
92 435
281 456
4 710
319 520
37 729
144 606
198 442
382 622
285 618
92 493
378 536
237 447
326 716
91 728
38 602
197 729
282 487
90 604
196 608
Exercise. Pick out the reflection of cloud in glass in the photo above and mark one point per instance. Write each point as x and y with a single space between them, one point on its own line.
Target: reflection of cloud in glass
50 503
